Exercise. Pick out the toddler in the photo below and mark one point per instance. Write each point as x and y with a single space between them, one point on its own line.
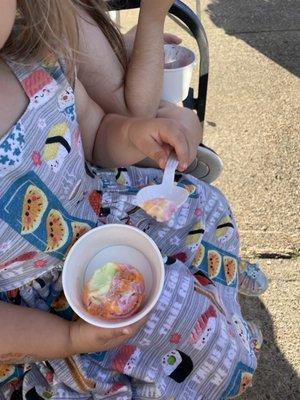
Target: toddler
195 344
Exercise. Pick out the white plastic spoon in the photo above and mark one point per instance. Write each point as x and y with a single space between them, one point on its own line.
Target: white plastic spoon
174 195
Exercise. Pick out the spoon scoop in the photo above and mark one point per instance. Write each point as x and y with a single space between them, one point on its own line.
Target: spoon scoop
162 201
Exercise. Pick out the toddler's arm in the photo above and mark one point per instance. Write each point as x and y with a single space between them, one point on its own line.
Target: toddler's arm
114 140
186 118
102 75
28 335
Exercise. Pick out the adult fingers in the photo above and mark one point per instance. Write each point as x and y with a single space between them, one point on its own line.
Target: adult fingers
169 38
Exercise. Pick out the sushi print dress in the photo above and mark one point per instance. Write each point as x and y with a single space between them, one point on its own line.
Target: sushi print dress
196 344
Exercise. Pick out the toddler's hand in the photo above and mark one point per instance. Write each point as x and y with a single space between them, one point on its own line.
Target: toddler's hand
189 119
86 338
156 137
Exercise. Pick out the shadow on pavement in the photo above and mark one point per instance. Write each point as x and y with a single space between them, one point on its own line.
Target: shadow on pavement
272 27
275 378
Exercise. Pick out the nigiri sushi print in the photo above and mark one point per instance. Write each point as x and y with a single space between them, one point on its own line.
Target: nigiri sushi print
224 230
57 146
19 259
126 359
204 329
40 87
66 104
194 236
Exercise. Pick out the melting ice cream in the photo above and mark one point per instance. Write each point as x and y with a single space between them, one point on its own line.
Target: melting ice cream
161 209
115 291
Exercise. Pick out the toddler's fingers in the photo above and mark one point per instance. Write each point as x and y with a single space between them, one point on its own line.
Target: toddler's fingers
134 328
156 152
174 136
113 334
127 331
150 144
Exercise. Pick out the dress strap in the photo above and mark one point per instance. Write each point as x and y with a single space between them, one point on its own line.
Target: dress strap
40 81
32 77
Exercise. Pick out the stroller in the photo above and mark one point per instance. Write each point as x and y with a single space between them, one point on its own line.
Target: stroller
208 165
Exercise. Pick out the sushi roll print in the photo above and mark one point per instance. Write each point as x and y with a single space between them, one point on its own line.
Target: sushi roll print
177 365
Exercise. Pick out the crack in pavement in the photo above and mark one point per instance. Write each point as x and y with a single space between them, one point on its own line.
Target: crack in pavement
269 254
277 255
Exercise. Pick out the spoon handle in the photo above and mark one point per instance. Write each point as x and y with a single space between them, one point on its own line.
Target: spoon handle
169 173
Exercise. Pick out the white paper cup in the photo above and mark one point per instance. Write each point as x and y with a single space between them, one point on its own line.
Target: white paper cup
113 243
179 64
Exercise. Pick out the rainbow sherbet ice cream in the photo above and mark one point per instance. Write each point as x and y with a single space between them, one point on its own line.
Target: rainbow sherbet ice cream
115 291
161 208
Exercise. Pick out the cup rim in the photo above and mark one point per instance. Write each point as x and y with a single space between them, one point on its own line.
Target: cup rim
185 66
136 317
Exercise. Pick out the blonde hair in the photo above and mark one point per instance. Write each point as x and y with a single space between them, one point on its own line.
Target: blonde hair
49 28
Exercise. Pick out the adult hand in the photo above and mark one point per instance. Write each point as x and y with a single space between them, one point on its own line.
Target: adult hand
169 38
